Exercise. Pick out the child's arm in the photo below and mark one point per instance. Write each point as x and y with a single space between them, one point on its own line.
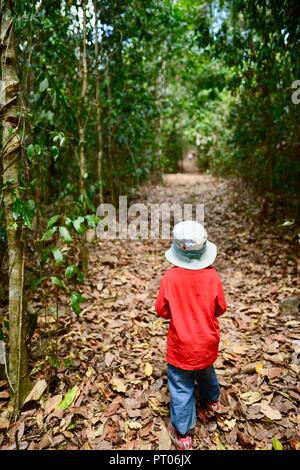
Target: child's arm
221 305
162 305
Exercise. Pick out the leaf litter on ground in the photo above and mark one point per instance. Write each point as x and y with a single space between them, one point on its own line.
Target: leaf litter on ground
113 392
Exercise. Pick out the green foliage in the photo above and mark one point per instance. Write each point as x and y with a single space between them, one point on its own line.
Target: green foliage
65 234
57 255
68 398
233 92
24 210
76 299
258 44
44 85
173 152
58 258
276 444
57 282
49 233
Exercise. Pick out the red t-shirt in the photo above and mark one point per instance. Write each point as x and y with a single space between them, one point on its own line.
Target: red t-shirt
192 300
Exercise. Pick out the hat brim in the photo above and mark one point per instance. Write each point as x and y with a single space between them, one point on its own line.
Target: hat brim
207 258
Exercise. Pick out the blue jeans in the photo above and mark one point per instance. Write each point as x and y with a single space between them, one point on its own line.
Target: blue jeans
181 385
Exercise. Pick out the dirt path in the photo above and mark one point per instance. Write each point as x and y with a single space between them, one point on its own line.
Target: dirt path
117 344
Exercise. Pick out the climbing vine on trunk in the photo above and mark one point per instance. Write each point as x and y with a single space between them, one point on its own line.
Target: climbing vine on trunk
10 158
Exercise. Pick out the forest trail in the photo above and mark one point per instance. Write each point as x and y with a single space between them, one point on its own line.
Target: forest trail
117 344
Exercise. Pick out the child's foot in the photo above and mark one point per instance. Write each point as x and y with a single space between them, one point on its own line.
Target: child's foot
213 408
181 443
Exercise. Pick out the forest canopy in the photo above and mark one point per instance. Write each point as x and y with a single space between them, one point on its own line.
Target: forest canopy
164 74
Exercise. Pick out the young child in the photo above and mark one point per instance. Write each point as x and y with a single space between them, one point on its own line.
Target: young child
191 296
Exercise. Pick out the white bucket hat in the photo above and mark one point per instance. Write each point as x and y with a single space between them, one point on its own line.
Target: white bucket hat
190 248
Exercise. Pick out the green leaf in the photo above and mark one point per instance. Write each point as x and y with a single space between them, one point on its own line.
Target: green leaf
49 233
57 282
276 444
57 255
37 149
76 308
59 138
44 85
77 222
76 299
62 141
50 116
68 221
52 220
10 182
65 234
68 362
218 442
17 208
92 220
27 215
68 398
80 276
30 204
37 282
71 270
288 223
72 425
46 255
54 152
24 211
90 204
54 361
30 152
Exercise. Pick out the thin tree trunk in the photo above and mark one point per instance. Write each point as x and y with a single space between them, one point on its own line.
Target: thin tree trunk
160 92
98 111
10 153
109 139
81 130
82 107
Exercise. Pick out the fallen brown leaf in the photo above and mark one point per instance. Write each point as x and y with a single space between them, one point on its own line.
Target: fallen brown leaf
36 392
113 407
4 423
52 403
270 412
164 441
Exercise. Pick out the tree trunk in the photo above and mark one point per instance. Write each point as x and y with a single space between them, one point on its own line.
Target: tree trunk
81 130
82 107
160 93
109 139
98 112
18 363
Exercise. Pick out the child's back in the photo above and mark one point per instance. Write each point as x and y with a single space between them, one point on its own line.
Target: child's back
191 296
192 300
